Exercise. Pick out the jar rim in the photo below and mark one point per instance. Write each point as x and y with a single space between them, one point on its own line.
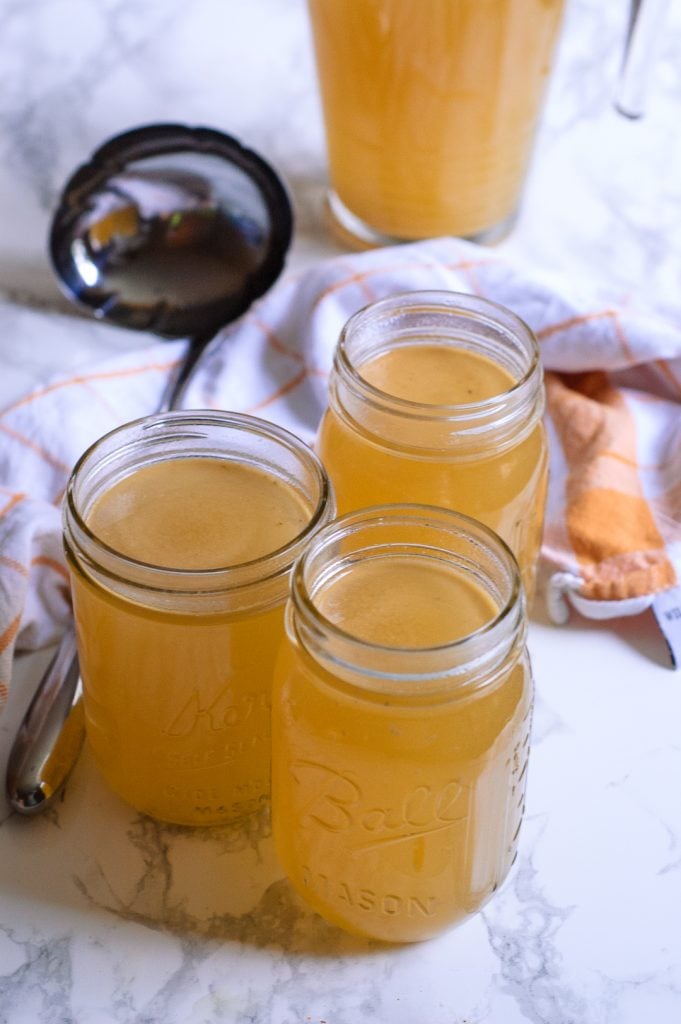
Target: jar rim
280 560
477 645
434 300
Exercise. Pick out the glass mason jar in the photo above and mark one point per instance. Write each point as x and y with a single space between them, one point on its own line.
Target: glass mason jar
400 721
437 397
180 531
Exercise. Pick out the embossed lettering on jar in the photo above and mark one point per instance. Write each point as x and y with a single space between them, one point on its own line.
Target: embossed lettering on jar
437 397
180 533
401 717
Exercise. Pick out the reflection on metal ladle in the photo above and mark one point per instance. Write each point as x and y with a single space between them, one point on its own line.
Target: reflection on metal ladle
170 229
184 248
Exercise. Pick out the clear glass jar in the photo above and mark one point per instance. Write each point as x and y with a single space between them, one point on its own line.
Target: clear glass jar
177 649
430 109
400 721
438 397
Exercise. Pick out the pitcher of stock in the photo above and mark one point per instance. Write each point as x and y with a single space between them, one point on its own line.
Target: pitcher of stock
431 109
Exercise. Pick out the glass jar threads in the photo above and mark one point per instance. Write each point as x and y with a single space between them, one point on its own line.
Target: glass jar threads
437 397
180 532
401 716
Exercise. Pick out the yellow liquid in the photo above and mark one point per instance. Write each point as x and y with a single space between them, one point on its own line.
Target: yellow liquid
177 705
430 107
505 489
396 818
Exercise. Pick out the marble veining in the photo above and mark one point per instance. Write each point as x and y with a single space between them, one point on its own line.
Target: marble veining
106 916
525 943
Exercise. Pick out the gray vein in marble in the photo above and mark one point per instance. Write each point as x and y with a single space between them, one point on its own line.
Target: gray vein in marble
530 963
617 993
45 973
35 126
278 927
279 919
634 786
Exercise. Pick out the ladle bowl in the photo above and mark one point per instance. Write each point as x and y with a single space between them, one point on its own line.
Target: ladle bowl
171 229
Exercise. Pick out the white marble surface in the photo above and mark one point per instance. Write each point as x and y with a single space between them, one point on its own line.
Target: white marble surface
105 916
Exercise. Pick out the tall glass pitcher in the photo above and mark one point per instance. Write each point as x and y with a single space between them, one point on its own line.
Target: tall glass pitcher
431 109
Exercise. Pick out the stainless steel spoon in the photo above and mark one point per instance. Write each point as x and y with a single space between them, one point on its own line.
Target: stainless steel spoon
171 229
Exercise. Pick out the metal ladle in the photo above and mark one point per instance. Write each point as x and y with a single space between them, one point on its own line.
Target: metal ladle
169 229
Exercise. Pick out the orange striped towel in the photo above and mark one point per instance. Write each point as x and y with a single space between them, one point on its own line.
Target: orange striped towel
613 530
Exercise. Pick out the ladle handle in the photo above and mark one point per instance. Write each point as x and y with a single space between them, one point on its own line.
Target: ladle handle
646 19
174 390
51 734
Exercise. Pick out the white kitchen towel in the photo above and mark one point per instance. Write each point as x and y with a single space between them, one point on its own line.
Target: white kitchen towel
613 532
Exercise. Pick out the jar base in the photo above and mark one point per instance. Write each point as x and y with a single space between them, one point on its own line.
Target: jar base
351 230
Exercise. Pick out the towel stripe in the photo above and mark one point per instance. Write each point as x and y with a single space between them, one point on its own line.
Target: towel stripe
610 524
81 379
9 633
279 393
36 448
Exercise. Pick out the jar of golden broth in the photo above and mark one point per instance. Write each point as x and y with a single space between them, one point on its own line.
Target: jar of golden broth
401 717
180 531
437 397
